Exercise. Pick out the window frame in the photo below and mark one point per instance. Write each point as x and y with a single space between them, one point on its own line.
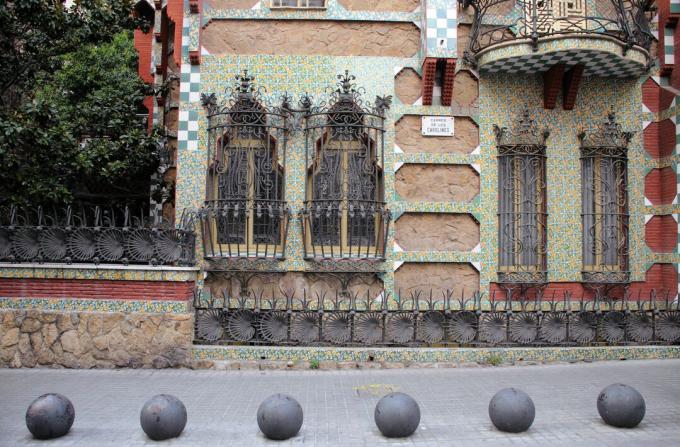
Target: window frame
300 4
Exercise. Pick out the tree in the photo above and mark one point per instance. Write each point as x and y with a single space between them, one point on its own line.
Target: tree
69 99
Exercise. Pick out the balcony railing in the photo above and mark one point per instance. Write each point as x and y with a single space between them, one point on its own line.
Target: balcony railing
93 235
244 228
337 229
498 21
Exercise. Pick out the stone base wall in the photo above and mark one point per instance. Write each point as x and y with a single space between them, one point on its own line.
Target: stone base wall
31 338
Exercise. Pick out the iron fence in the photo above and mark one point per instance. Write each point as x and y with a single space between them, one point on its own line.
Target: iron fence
426 321
93 234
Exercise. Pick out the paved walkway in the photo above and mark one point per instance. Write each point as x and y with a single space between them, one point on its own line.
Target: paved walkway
339 405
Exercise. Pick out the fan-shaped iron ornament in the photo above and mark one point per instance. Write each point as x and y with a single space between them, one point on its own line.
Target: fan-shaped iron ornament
553 327
337 328
583 328
5 244
140 245
305 327
209 325
432 327
492 329
463 327
614 327
640 327
240 325
26 244
400 327
274 326
524 328
82 244
368 327
111 245
53 244
168 247
669 326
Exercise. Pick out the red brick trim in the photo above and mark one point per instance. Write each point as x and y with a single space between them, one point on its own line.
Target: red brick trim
661 234
429 70
659 138
449 77
572 81
661 186
654 97
96 289
175 9
552 84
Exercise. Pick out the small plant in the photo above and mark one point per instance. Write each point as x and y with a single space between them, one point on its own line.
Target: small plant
494 359
314 364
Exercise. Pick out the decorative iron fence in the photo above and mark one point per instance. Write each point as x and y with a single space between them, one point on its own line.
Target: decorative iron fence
383 321
93 235
498 21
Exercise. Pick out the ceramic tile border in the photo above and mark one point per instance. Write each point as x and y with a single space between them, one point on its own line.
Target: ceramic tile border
87 305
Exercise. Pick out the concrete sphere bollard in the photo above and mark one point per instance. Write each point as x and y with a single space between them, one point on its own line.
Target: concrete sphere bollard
50 416
397 415
279 417
163 417
621 405
512 410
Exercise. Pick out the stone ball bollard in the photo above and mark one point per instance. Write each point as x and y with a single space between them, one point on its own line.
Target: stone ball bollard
50 416
279 417
163 417
512 410
397 415
621 405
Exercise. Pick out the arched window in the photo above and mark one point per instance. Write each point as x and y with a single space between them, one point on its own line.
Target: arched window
345 214
604 195
522 204
245 214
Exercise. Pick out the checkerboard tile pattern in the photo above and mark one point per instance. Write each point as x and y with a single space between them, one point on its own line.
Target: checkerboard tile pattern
187 134
597 63
441 29
190 83
675 6
668 46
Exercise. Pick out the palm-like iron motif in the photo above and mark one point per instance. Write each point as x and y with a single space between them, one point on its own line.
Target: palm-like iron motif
400 327
209 325
274 326
368 327
26 245
614 327
54 243
524 327
431 328
640 328
140 245
493 328
463 327
5 244
669 326
168 247
583 328
337 328
240 325
82 244
111 245
554 327
305 327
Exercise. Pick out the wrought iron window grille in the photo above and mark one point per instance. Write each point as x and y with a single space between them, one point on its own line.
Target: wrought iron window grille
94 235
604 196
298 4
499 21
522 208
245 214
425 320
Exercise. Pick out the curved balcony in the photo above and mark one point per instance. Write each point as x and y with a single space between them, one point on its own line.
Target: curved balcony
608 38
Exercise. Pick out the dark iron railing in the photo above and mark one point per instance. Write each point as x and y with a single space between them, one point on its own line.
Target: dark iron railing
93 235
244 229
498 21
350 320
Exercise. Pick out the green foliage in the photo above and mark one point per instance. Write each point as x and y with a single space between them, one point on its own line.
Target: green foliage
314 364
494 360
69 97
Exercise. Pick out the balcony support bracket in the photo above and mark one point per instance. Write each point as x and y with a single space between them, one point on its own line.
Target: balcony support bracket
552 84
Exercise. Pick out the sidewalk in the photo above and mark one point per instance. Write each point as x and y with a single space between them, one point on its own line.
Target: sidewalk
339 405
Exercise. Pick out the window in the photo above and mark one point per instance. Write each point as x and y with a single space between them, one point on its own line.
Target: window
245 213
521 202
298 4
605 203
345 214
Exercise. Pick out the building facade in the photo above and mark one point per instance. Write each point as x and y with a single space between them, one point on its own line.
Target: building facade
355 155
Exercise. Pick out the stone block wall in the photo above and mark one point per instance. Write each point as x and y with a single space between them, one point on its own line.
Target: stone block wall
32 338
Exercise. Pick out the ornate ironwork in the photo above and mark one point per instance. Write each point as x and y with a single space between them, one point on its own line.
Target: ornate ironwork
245 214
411 321
522 210
345 215
93 235
498 21
604 194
